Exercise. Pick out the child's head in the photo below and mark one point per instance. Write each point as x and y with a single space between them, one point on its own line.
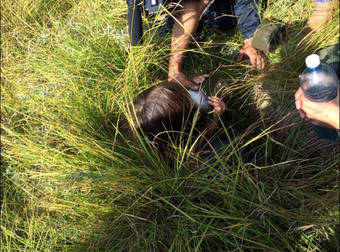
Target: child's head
161 111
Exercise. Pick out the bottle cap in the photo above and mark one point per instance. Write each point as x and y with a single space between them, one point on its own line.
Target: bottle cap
312 61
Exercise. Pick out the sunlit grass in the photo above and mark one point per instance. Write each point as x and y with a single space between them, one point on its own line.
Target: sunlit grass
73 177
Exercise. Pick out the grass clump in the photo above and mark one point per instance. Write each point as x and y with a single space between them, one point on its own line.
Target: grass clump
73 178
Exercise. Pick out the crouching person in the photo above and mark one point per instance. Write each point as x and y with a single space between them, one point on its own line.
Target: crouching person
169 115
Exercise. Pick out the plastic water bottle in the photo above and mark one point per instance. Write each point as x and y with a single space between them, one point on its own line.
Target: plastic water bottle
210 87
200 101
319 83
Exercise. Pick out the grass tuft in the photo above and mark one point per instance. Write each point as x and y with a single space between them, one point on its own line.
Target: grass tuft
74 179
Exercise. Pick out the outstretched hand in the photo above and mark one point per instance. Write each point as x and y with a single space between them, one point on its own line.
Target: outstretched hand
255 56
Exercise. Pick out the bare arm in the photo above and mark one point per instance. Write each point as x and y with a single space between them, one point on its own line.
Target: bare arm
248 20
181 35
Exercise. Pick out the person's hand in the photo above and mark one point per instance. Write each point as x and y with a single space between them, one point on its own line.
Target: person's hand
254 55
218 104
180 78
200 78
319 113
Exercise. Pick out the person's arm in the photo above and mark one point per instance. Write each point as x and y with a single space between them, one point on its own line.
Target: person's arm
319 113
321 14
248 20
181 36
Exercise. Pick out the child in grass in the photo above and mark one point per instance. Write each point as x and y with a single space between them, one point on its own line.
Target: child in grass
165 111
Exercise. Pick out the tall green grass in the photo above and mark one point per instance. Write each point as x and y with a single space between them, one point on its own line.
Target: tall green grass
74 179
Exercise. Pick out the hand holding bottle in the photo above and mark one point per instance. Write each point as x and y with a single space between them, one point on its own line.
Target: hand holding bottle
318 97
319 113
217 103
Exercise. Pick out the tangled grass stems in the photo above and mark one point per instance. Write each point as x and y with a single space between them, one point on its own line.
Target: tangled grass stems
73 178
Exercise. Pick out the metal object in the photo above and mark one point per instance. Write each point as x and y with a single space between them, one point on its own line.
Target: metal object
266 37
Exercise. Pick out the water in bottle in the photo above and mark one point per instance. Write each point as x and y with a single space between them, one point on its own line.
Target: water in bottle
319 83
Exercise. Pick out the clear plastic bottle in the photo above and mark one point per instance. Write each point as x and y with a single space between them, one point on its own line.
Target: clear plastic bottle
200 100
319 83
210 87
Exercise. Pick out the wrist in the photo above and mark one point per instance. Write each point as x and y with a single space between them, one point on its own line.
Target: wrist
172 74
248 41
174 68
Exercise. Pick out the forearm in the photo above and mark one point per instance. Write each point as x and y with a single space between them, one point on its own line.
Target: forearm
321 14
183 31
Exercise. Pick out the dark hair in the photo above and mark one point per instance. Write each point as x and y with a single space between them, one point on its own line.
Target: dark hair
161 111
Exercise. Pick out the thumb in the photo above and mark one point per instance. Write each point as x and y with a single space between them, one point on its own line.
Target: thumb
302 113
191 85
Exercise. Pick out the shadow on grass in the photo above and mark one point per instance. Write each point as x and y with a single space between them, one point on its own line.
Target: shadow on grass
287 179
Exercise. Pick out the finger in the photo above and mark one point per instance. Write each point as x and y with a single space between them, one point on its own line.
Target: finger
253 61
202 78
297 94
258 62
240 57
213 103
218 104
218 110
190 85
298 100
197 80
214 98
262 62
298 104
302 114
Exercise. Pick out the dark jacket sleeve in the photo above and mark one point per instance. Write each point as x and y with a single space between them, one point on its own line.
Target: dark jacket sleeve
247 16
